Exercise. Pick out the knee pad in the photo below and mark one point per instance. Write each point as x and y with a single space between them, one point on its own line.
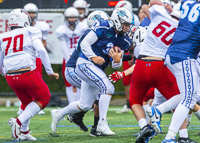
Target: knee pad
84 108
96 102
110 89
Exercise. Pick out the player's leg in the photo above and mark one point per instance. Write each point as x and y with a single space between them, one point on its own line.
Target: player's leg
98 79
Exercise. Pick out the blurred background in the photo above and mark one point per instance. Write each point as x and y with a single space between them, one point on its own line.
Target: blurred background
51 11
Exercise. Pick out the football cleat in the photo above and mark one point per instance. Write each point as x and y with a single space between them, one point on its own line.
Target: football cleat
124 110
56 118
186 140
155 117
78 121
26 137
102 127
41 112
169 141
136 135
15 128
94 133
144 133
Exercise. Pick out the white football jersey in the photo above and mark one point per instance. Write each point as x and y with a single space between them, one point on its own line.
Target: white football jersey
137 50
17 49
44 27
64 33
159 33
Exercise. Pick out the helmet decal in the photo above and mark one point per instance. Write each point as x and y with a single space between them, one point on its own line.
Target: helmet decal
97 17
122 13
122 5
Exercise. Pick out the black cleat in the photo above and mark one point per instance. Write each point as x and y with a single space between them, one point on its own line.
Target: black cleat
78 121
144 133
136 135
186 140
94 133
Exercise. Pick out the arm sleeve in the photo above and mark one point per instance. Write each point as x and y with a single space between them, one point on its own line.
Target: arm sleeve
37 44
63 45
85 45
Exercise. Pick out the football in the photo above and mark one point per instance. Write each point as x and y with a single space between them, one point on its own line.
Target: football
119 50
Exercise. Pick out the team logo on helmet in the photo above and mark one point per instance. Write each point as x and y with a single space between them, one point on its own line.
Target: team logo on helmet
122 13
97 17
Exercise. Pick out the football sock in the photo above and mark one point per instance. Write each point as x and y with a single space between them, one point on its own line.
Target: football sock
127 104
178 118
71 97
20 111
170 104
170 135
78 94
96 120
145 107
183 133
197 114
70 109
31 110
142 122
104 102
25 126
188 119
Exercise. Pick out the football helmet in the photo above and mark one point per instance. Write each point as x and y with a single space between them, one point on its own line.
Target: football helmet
124 4
96 15
18 18
31 7
166 2
176 10
82 4
71 12
139 34
120 16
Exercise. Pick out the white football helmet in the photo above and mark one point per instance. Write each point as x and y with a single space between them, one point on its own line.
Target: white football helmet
176 10
31 7
18 18
139 34
71 12
121 15
96 15
124 4
82 4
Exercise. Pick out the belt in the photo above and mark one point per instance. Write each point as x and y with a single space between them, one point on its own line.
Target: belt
18 72
150 60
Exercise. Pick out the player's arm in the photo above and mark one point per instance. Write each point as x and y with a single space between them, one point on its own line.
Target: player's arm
86 48
37 44
2 72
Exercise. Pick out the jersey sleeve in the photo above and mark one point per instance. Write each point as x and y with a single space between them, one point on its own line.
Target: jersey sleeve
60 35
35 33
156 10
100 27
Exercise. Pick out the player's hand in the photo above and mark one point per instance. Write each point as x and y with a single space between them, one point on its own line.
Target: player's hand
168 7
115 55
54 75
116 76
98 60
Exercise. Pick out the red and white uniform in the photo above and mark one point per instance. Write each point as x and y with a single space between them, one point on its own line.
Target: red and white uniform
44 27
148 74
18 51
68 40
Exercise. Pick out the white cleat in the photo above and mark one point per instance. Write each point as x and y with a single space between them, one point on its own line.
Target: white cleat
124 110
102 127
41 112
15 128
26 137
56 117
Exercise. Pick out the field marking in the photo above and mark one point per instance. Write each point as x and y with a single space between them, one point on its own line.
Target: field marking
19 141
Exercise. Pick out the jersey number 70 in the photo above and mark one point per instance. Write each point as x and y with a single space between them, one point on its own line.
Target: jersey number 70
160 29
9 39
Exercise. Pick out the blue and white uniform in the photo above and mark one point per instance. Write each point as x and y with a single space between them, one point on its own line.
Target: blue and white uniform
70 71
181 60
97 43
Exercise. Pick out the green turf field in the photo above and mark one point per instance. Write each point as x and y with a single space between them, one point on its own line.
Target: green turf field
124 126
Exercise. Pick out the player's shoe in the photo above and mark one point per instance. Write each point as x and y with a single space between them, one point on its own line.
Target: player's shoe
26 137
144 133
94 133
169 141
56 117
153 134
136 135
186 140
155 117
41 112
102 127
78 121
15 128
125 109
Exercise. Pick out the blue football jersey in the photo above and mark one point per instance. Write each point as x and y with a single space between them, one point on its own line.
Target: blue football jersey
186 41
145 22
107 38
75 55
